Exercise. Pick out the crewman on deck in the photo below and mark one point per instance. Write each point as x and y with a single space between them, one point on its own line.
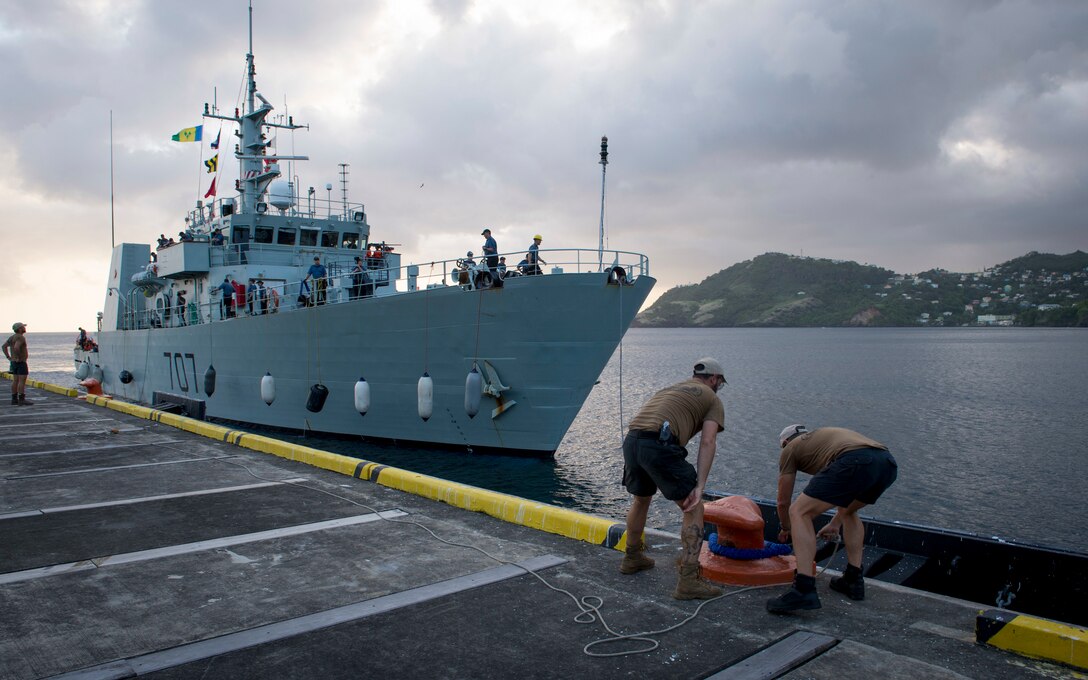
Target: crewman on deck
851 471
654 457
491 252
532 258
227 288
319 274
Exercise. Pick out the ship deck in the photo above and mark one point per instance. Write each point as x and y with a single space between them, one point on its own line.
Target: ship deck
134 547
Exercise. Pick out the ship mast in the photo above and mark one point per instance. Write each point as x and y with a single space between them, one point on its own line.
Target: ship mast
604 167
256 168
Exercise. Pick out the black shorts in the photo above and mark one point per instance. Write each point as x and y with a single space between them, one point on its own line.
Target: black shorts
19 368
649 465
860 475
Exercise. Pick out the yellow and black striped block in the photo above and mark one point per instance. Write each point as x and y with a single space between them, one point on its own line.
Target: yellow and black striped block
1030 636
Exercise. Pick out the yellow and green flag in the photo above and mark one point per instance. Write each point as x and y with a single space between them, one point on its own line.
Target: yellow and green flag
212 163
192 134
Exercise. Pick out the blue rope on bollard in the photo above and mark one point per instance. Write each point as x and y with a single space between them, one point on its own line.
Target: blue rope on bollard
769 549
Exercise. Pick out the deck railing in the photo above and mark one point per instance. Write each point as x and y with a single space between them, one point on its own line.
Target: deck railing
338 287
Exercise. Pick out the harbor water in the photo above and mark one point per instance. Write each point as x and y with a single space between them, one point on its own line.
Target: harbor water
986 424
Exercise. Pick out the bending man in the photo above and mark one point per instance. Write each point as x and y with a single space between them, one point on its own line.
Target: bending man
851 471
655 458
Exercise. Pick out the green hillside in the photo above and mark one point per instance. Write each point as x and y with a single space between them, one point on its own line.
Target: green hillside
784 290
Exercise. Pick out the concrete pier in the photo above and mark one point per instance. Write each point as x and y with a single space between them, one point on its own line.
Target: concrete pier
138 543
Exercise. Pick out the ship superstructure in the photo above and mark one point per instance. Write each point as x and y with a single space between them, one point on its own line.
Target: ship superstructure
375 348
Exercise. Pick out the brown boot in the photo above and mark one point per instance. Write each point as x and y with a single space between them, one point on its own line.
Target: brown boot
690 587
634 560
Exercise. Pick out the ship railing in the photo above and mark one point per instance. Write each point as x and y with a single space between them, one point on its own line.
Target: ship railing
622 267
552 262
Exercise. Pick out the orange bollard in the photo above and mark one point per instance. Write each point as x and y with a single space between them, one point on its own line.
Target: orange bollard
740 524
93 386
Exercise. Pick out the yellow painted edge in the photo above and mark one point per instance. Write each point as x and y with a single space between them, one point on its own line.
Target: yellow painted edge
1039 638
48 387
513 509
532 514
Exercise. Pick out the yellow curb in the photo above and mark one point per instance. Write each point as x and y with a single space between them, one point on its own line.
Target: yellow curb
513 509
532 514
1034 637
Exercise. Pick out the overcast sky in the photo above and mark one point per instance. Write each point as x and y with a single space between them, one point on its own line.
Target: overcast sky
908 134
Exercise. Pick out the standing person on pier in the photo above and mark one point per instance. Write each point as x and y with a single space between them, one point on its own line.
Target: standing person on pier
15 350
851 471
654 457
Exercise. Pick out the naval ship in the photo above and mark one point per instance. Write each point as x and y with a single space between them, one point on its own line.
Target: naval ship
447 353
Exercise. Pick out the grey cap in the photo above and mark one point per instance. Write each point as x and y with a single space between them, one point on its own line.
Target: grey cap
708 366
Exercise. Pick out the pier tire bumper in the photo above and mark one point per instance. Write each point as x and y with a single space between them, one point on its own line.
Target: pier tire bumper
1034 637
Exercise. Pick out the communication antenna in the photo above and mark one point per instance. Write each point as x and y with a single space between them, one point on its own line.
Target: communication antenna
344 185
604 169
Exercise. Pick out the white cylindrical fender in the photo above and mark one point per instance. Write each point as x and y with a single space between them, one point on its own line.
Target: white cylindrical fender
97 373
425 392
474 389
268 389
362 396
84 370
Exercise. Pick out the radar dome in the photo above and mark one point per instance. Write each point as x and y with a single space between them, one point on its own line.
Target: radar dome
280 194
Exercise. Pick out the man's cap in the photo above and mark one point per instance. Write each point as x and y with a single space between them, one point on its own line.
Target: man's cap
316 258
708 366
260 282
485 231
789 433
538 238
17 325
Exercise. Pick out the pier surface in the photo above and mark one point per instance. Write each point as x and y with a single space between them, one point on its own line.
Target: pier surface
129 547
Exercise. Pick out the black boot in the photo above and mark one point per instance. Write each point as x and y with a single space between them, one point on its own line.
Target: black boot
801 596
23 401
15 400
850 583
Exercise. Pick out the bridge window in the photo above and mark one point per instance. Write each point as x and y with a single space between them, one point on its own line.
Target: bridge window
286 236
350 241
262 235
239 235
330 239
308 237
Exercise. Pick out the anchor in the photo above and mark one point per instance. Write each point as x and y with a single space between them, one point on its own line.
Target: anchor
493 387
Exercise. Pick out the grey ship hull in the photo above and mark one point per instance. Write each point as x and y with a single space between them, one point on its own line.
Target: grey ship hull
548 338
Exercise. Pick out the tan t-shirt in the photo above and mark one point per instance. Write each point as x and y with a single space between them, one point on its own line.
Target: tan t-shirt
685 405
813 451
